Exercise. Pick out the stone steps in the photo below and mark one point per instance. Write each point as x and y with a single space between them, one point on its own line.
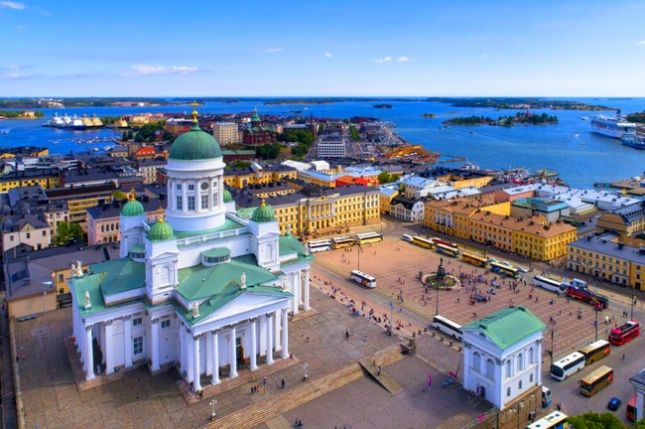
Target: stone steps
276 405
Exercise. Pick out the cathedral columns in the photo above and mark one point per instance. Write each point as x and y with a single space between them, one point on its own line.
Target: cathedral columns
89 353
295 281
285 334
254 345
197 386
276 331
209 353
269 338
215 342
109 337
127 340
306 291
232 352
154 352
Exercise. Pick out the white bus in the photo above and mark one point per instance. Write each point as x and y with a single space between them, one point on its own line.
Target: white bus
548 284
447 326
406 237
368 237
319 246
568 365
555 420
363 279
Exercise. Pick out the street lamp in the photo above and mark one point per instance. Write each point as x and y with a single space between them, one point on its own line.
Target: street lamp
631 309
212 403
391 316
552 340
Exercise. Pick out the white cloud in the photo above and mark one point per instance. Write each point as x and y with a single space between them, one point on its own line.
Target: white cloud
12 5
383 60
12 71
151 69
641 43
403 59
273 50
328 55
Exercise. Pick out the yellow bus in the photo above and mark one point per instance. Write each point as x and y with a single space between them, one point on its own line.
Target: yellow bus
555 420
340 242
595 351
474 259
368 237
422 242
596 381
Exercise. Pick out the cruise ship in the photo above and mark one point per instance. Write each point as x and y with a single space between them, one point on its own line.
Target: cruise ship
74 122
615 127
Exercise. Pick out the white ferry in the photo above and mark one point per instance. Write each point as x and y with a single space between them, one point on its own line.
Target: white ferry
615 127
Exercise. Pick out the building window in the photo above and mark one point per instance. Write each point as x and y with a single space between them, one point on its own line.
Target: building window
137 345
490 369
508 391
178 187
165 324
519 385
179 203
531 356
531 378
476 361
509 369
204 202
28 235
191 203
204 186
191 187
61 277
137 321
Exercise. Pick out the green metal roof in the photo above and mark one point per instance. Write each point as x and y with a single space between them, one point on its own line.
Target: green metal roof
195 144
246 212
507 326
217 252
201 282
133 208
138 248
218 301
161 231
290 244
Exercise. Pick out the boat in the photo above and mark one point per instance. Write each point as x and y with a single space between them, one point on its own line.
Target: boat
615 127
634 140
74 122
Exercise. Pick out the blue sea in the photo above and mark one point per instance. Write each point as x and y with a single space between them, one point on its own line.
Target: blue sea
581 157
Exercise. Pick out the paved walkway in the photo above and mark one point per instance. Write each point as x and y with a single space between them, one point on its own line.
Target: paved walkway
8 410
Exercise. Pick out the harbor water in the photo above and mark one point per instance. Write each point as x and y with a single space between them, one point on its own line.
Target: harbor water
569 147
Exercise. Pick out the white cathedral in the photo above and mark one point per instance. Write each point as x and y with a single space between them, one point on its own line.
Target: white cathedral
203 290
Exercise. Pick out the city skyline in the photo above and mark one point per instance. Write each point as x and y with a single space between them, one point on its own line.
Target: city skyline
333 49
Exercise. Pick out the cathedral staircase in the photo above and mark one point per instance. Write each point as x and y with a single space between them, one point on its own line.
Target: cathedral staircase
276 405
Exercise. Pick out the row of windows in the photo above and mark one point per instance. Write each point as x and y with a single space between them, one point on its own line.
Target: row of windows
109 227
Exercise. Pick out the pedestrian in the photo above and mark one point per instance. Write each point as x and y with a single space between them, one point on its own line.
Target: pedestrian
346 334
378 371
623 356
282 383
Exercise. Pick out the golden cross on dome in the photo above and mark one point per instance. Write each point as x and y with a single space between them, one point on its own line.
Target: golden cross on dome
195 113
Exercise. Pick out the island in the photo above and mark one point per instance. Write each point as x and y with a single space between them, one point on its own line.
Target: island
638 117
519 103
20 114
524 118
428 115
382 106
40 103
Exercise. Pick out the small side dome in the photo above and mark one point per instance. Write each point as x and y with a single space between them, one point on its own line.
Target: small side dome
161 231
264 213
133 207
228 197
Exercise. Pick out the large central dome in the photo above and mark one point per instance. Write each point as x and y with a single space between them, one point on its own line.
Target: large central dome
195 144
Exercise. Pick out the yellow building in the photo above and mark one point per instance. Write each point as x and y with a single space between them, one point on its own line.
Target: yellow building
609 257
452 217
29 152
459 182
386 195
48 179
624 221
334 212
82 198
483 220
241 178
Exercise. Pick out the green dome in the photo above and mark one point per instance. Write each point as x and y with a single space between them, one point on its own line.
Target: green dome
195 144
264 213
228 197
133 208
160 231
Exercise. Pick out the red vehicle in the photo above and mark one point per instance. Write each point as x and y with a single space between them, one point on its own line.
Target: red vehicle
585 295
630 410
437 240
625 333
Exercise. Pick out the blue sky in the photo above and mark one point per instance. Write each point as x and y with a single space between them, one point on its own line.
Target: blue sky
322 48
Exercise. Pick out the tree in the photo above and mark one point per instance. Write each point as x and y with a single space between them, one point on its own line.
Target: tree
386 177
268 151
353 132
67 231
596 421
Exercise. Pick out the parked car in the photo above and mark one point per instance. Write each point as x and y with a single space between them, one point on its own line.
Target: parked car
522 268
614 404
